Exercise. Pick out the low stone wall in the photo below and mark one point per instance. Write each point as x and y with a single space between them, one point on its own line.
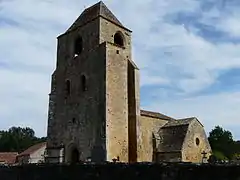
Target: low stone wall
169 171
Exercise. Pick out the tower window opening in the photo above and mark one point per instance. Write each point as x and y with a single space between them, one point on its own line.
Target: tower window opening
68 87
73 120
78 46
118 39
83 83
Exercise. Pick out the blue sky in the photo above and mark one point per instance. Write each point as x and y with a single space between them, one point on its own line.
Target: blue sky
188 52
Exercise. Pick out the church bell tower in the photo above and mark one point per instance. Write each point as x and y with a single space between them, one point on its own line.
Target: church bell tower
94 98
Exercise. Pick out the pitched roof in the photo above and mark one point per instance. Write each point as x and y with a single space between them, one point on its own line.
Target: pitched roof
32 149
8 157
173 134
155 115
97 10
178 122
190 119
172 137
133 64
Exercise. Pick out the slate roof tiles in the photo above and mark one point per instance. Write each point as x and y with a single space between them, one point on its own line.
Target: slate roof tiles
98 9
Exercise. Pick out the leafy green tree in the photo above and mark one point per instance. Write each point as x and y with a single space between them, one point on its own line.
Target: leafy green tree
18 139
219 155
222 142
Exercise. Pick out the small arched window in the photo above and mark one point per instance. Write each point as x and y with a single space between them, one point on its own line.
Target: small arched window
83 83
78 46
118 39
197 141
68 87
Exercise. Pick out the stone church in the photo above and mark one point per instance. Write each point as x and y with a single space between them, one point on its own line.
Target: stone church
94 103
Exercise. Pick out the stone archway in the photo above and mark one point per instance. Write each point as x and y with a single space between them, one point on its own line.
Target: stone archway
74 156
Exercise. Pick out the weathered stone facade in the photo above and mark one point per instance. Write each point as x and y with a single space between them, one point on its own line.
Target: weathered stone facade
195 143
94 104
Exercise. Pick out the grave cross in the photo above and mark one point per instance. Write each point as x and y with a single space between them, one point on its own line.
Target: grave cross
204 156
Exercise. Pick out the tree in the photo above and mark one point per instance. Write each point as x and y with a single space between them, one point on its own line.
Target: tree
219 155
18 139
222 142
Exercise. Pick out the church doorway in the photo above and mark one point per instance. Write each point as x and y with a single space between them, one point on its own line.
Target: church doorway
74 156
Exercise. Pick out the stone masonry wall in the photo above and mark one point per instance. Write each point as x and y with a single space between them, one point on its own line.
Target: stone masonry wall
86 107
191 151
117 104
148 127
81 119
51 111
107 32
133 106
71 68
175 171
80 116
116 90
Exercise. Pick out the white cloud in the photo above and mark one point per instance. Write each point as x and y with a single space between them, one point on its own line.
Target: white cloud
224 19
24 99
231 26
31 45
216 109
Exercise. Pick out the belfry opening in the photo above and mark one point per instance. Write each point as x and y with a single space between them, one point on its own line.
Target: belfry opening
118 39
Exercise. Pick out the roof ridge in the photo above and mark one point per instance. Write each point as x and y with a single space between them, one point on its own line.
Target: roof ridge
177 122
192 117
155 114
33 148
101 4
96 10
94 5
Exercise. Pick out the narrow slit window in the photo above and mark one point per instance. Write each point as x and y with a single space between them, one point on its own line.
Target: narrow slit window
78 46
83 83
73 120
68 87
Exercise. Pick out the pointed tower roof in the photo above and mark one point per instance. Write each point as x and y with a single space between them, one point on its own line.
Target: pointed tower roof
97 10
